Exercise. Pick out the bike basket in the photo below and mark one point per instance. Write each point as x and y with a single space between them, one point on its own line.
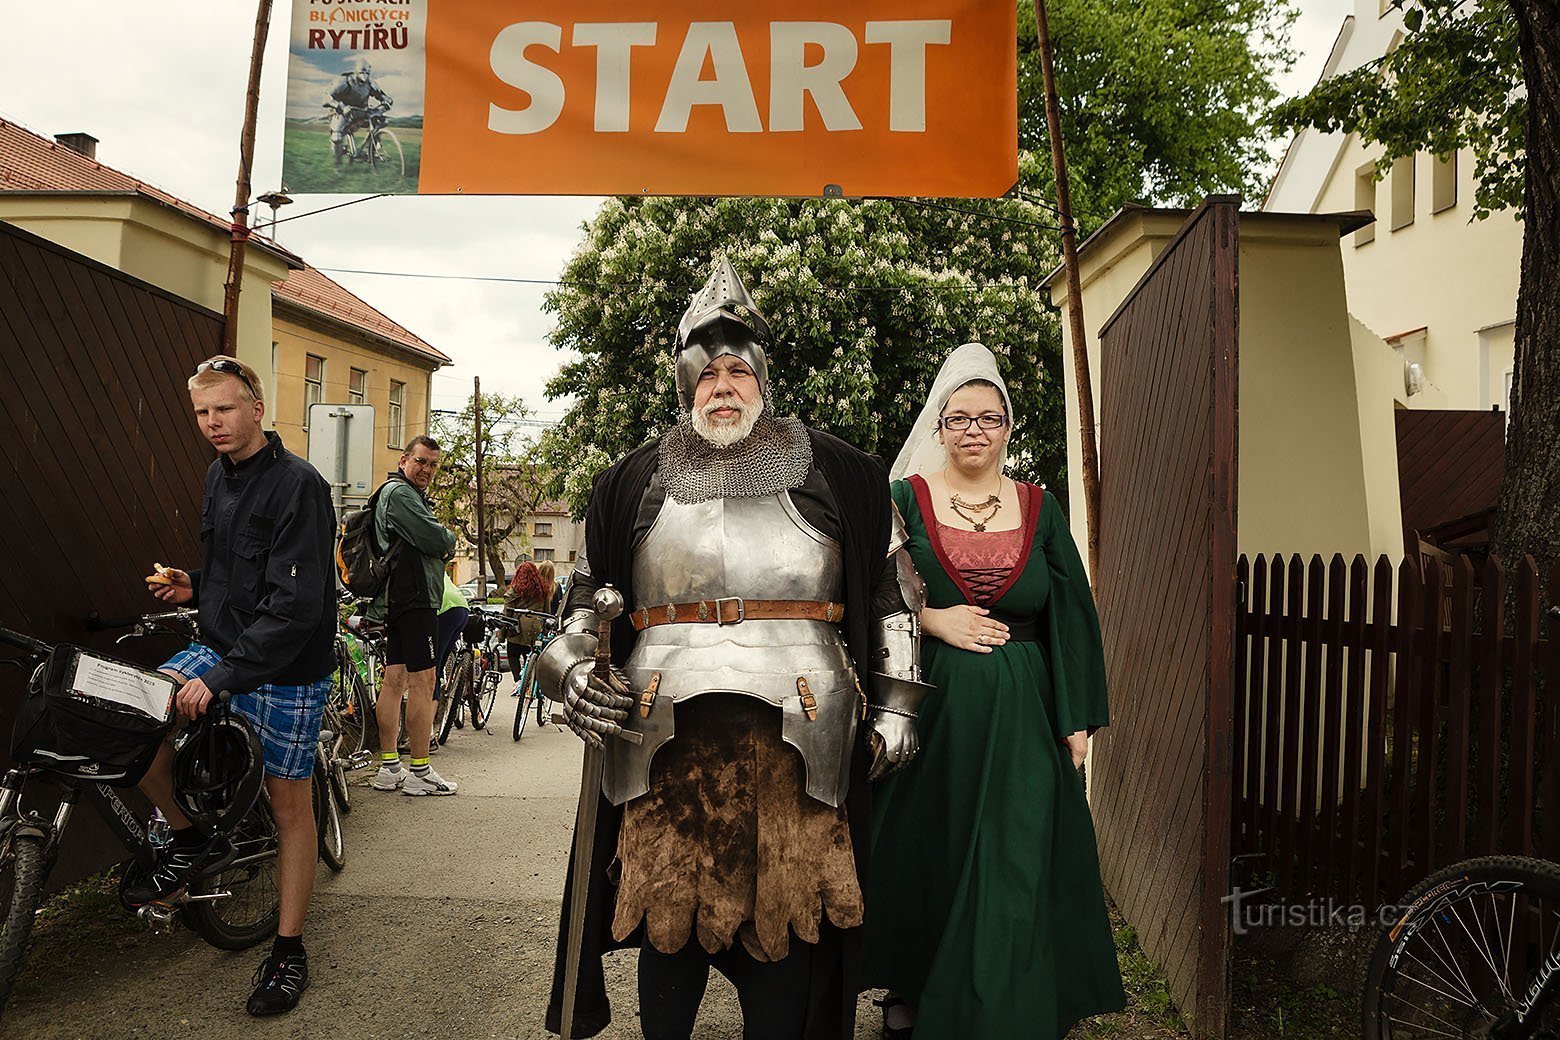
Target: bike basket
92 717
476 629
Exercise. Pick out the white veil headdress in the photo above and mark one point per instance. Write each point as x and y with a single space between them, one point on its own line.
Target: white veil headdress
922 453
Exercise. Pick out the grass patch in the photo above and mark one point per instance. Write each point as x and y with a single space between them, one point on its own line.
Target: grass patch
307 164
1150 1013
1271 1007
78 919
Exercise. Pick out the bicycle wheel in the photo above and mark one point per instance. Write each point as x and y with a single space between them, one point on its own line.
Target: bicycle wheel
327 819
248 913
455 694
1468 954
389 155
335 758
543 708
354 713
23 867
523 708
484 694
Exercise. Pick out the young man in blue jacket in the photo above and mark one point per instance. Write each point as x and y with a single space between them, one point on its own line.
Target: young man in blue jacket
266 596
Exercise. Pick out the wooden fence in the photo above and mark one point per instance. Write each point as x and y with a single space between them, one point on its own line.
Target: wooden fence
1391 721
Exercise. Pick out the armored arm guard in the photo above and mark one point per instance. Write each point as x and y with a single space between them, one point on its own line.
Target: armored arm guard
896 636
895 679
575 643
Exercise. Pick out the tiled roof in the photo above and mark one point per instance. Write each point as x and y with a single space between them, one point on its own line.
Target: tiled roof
313 291
32 162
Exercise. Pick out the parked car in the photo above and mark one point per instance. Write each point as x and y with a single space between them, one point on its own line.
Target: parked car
495 587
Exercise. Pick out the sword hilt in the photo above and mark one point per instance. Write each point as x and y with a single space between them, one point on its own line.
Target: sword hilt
608 602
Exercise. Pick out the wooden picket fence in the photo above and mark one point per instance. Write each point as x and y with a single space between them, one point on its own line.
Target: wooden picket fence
1390 721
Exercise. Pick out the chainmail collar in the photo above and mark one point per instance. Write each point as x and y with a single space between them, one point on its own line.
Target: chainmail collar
775 457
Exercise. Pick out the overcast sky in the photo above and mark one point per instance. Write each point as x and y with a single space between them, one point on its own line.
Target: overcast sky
161 86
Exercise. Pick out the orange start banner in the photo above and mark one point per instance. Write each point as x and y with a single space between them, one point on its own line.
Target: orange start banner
677 97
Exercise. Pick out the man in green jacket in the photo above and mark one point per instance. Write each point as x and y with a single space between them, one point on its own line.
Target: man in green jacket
409 607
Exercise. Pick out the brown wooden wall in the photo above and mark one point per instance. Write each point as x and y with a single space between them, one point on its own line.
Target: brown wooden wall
1450 465
1160 773
102 463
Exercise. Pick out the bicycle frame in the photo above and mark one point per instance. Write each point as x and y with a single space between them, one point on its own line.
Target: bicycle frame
121 819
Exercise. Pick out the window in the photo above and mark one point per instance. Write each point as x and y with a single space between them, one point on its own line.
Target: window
1443 184
397 407
573 553
313 384
1402 192
543 554
357 382
1365 200
543 529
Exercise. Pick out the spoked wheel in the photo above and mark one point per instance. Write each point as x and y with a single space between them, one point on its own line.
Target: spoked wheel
523 686
456 695
23 867
1477 944
327 819
387 153
483 696
248 914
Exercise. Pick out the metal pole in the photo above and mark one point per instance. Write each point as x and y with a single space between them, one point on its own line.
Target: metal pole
338 490
476 399
1080 347
246 155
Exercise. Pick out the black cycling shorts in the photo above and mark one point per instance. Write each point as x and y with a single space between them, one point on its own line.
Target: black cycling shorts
412 639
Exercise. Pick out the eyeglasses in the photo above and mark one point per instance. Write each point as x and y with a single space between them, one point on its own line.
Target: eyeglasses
232 368
989 421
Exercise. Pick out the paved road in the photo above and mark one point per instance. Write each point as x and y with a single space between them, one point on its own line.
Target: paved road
441 926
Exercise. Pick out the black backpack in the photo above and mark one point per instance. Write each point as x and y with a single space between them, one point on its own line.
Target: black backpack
364 570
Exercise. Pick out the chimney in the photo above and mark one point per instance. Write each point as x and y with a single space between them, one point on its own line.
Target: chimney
86 144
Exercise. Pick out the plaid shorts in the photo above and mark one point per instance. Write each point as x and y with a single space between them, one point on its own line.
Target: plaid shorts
286 718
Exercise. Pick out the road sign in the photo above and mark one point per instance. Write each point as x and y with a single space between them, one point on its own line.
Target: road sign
341 447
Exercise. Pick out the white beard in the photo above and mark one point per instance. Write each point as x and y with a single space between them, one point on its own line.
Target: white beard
725 434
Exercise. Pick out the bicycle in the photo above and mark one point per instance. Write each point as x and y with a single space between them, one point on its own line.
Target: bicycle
528 689
378 139
327 807
1474 955
231 908
472 686
353 696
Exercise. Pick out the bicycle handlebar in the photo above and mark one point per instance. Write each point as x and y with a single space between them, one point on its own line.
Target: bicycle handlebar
96 622
27 644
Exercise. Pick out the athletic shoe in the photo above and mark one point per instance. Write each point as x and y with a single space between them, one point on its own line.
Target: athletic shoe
175 869
279 982
429 783
387 780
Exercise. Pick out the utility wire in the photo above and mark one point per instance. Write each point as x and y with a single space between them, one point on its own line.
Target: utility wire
955 287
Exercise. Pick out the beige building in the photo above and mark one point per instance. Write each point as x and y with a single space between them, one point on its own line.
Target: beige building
547 533
1440 288
1317 461
311 338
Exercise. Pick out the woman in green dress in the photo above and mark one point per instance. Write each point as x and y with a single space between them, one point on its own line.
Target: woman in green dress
985 913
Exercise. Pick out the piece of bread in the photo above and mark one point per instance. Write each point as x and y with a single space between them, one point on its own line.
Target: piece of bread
160 577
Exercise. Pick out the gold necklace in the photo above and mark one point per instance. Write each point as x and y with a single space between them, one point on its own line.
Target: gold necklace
992 503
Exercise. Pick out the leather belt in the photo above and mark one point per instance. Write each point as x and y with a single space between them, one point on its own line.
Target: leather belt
733 610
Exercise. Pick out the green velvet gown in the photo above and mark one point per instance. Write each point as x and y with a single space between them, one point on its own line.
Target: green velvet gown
984 904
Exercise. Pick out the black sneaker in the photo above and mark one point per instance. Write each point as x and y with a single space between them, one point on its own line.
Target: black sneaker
279 982
175 869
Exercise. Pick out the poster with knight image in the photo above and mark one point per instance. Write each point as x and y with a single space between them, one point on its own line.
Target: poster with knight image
799 98
355 96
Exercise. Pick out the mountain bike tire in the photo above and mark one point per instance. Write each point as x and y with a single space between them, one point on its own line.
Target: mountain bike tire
22 873
250 916
1415 950
543 708
484 694
327 819
455 694
523 709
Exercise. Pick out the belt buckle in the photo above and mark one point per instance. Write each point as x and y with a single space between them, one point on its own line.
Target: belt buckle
741 610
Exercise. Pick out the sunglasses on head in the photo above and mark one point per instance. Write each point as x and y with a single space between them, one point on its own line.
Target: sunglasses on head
232 368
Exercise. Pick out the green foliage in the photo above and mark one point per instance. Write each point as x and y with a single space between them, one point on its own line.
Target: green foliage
1454 82
1164 99
514 481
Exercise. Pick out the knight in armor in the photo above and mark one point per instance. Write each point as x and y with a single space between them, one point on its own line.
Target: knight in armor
769 659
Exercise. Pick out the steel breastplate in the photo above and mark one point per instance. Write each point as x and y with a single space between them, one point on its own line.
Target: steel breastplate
753 548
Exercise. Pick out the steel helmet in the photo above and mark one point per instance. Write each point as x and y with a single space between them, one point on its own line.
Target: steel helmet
218 769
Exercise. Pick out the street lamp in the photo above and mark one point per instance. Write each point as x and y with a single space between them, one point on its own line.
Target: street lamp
276 200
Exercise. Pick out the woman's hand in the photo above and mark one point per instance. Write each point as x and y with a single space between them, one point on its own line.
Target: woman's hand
1078 744
966 627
